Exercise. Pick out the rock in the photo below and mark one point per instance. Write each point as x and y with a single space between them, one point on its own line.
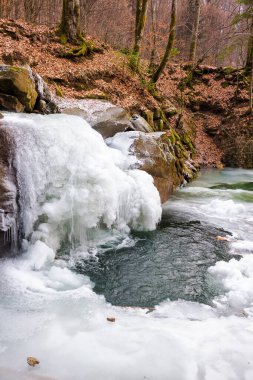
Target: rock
45 103
149 116
10 103
8 194
156 156
31 361
111 319
17 82
41 106
112 121
158 114
211 129
169 164
1 116
103 116
170 111
153 153
222 238
140 124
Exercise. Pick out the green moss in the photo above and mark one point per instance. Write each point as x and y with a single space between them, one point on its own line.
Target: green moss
59 91
224 84
15 68
187 141
149 116
97 96
63 39
84 49
186 82
228 70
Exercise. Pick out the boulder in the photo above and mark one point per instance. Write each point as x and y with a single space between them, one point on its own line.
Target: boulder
140 124
17 82
103 116
10 103
45 103
153 153
112 121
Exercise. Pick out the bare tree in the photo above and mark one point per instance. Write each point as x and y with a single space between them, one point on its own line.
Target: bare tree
32 9
169 45
195 31
141 14
70 20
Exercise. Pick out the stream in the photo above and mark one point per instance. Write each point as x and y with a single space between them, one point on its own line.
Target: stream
181 293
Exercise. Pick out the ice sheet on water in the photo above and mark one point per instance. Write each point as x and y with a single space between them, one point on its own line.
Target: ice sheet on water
51 312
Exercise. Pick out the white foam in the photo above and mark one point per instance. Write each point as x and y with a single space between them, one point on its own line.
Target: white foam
237 278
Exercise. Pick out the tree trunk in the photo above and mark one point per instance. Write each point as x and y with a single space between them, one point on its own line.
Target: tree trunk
249 60
170 43
250 89
70 21
195 31
141 13
154 32
32 8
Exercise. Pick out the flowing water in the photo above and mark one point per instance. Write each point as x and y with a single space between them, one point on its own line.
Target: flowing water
182 298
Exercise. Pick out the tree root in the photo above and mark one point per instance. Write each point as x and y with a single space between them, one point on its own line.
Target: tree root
85 49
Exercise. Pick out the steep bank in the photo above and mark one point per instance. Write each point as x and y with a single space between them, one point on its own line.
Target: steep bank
209 103
216 104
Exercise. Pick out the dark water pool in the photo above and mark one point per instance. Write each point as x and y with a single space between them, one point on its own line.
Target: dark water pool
170 262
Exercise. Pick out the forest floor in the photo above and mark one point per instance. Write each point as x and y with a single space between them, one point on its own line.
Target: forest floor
210 102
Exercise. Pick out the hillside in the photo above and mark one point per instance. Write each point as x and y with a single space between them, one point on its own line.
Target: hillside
211 104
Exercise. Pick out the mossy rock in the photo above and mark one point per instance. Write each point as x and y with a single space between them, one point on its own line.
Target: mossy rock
17 82
149 116
10 103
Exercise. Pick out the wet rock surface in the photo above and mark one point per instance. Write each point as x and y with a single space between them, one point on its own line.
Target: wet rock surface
8 193
156 156
168 164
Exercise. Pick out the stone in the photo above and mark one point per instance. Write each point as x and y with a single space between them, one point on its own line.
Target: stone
1 116
157 114
45 103
103 116
31 361
17 82
41 106
140 124
113 121
149 116
156 156
10 103
222 238
211 129
170 111
111 319
41 87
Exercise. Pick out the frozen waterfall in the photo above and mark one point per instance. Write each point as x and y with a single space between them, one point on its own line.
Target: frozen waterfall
71 182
